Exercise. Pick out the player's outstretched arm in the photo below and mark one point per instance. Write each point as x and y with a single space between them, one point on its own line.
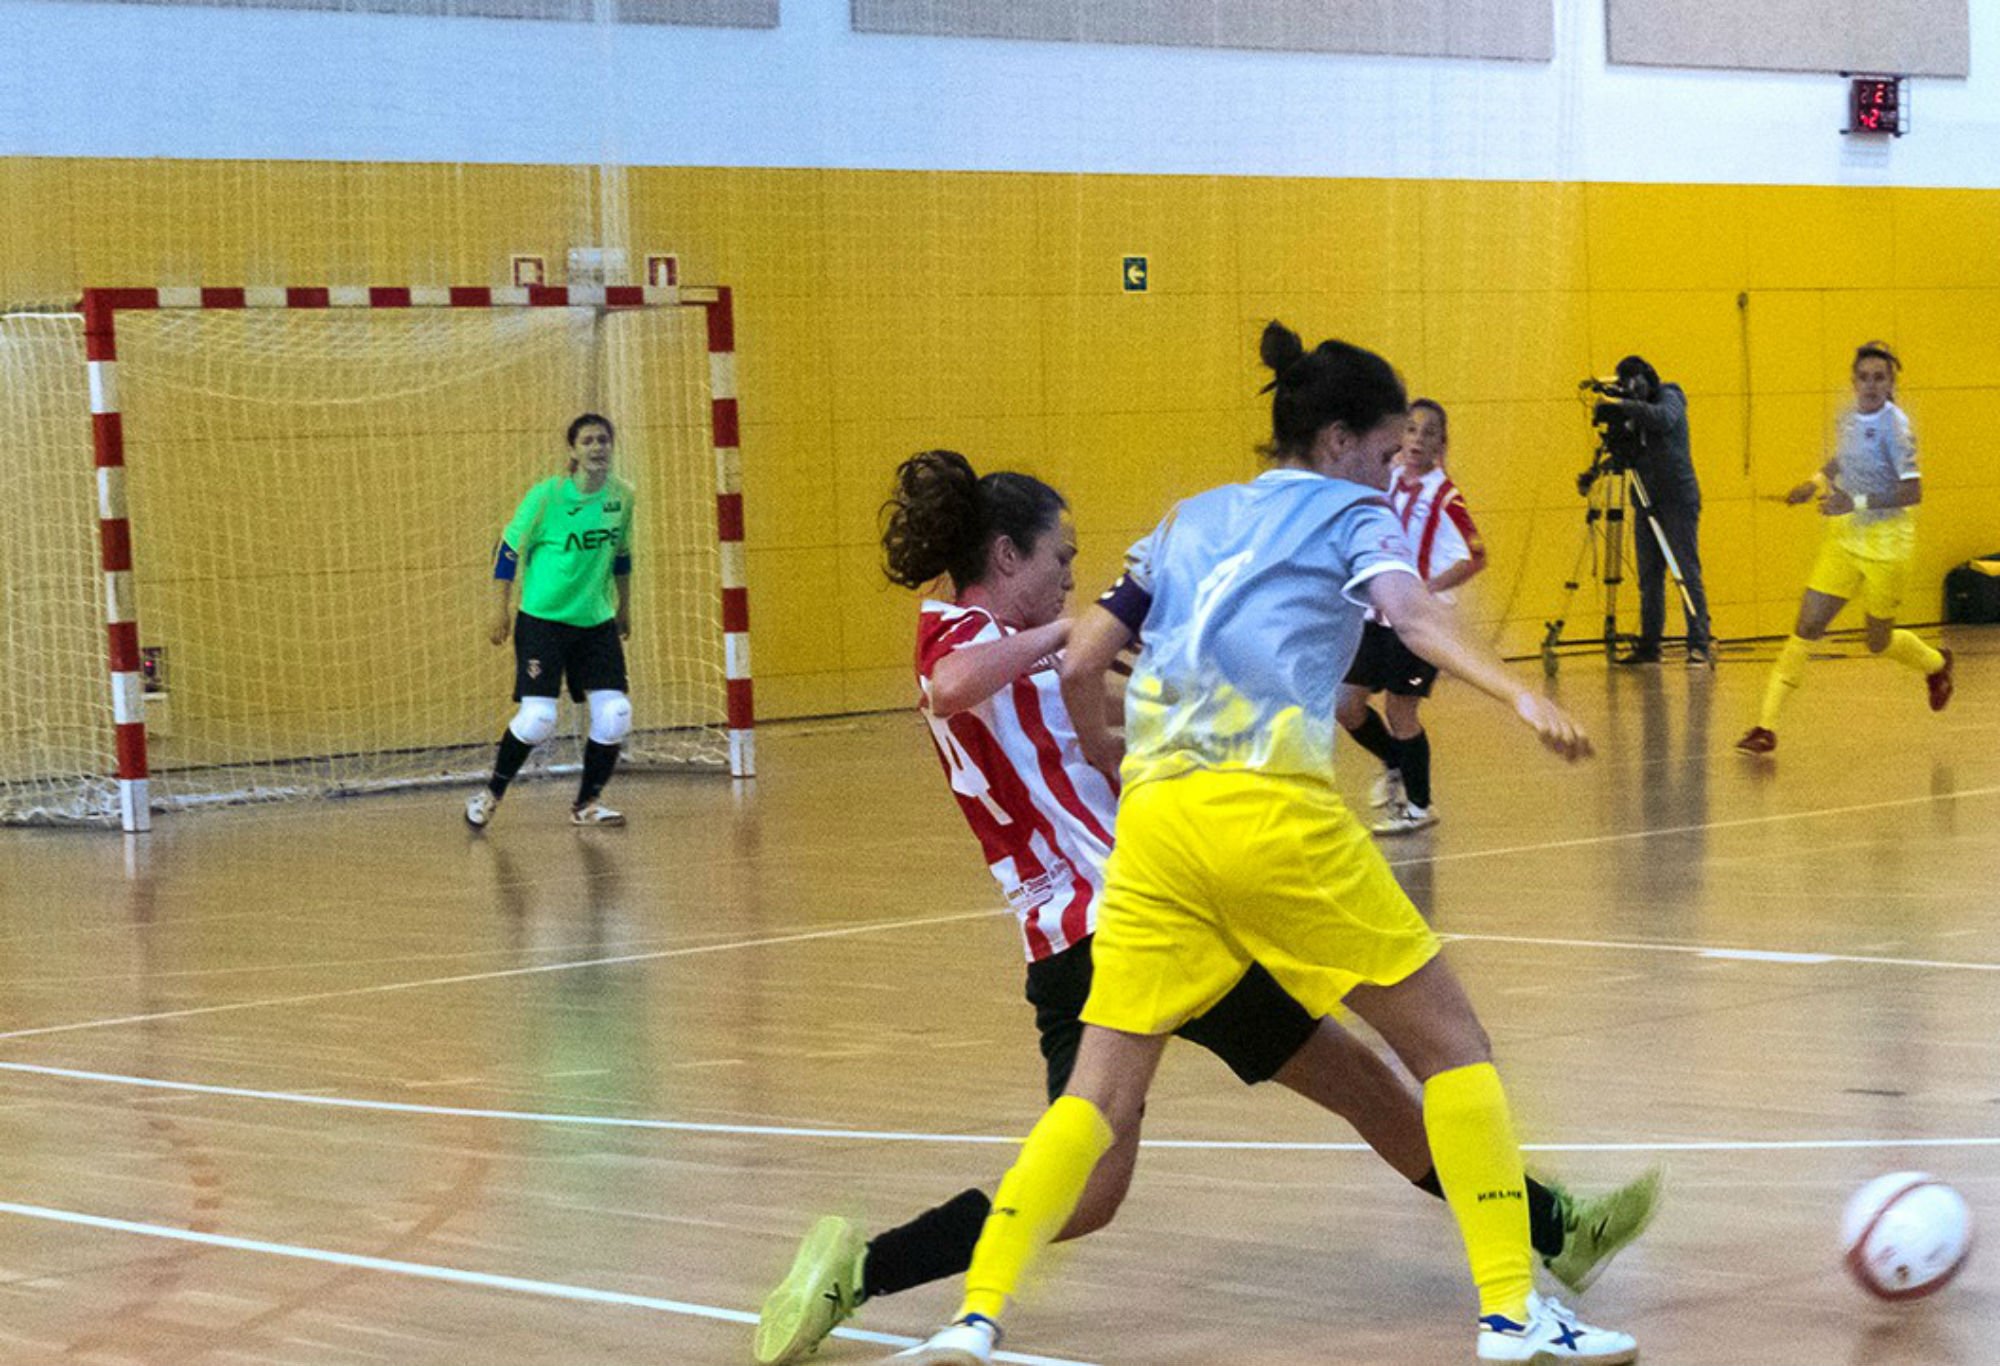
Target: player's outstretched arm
1433 630
965 678
1095 642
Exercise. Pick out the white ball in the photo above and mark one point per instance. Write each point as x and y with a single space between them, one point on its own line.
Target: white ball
1906 1235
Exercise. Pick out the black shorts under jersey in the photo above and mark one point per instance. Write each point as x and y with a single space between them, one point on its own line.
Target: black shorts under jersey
1255 1029
593 658
1385 664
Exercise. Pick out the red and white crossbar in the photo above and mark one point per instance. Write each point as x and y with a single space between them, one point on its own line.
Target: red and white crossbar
101 308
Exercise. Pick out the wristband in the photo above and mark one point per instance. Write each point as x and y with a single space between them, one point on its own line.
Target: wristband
1861 502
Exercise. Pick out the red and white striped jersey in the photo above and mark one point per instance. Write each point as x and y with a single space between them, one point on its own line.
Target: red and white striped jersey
1435 521
1042 814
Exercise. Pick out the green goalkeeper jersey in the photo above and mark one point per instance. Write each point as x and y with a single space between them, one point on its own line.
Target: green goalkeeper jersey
568 546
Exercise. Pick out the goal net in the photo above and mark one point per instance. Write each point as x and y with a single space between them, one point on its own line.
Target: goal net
313 497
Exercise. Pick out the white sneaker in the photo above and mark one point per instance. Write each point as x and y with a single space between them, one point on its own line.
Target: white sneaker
479 808
1553 1335
1404 818
1387 791
595 813
969 1342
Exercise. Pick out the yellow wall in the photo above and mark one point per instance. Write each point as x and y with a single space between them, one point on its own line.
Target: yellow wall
883 312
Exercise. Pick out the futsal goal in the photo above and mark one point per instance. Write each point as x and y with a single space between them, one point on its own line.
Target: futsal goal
278 583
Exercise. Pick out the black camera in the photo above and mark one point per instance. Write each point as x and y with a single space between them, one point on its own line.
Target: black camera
1619 441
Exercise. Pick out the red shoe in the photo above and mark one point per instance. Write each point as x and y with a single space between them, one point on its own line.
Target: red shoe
1940 683
1758 741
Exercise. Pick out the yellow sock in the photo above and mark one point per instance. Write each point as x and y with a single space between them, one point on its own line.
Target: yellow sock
1479 1165
1912 653
1034 1201
1786 675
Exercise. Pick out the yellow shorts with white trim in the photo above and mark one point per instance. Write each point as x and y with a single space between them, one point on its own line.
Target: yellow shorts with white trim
1214 870
1869 563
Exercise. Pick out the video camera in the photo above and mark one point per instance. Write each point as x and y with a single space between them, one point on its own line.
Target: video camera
1619 440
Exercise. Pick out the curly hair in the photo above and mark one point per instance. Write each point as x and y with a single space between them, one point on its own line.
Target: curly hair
942 518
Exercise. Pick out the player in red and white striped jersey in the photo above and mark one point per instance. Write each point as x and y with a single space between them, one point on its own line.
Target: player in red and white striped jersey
986 667
1044 824
1449 551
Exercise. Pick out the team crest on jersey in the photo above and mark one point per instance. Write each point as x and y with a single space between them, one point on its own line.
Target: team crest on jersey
534 668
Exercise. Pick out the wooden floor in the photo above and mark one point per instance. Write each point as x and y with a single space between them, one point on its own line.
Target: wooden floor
342 1082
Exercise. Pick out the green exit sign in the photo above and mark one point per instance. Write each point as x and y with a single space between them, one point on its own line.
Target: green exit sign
1134 274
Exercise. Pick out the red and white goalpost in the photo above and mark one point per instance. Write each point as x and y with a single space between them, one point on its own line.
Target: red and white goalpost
276 399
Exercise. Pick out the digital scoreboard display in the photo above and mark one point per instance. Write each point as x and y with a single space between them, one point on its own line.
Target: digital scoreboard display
1875 105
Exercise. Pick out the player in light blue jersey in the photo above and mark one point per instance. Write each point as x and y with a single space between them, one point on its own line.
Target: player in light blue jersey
1865 491
1233 847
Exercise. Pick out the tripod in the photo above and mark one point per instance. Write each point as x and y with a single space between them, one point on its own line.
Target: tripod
1616 487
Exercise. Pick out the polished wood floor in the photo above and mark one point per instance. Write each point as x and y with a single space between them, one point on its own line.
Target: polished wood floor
344 1083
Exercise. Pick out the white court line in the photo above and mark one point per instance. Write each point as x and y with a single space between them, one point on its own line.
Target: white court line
498 974
893 1136
520 1285
1714 951
1585 841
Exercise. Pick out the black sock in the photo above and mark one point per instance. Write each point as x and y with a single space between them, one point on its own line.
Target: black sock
1545 1219
1413 757
598 761
1545 1224
514 752
936 1244
1374 737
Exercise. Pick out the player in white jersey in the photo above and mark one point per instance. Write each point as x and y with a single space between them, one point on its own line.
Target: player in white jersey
1043 816
1233 846
1448 549
1865 491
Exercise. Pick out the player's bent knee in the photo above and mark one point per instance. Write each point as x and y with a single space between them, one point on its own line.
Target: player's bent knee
610 717
535 721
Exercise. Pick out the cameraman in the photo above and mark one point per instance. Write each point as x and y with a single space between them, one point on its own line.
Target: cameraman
1656 414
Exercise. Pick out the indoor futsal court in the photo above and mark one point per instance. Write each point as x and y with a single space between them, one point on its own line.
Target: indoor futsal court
500 502
575 1095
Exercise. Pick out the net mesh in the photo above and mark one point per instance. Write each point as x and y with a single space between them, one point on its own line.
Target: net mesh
55 705
315 497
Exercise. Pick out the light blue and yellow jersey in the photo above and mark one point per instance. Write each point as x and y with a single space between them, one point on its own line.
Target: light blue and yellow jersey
1252 608
1875 453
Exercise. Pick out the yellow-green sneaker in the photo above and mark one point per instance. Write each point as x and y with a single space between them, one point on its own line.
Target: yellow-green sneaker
1598 1229
818 1294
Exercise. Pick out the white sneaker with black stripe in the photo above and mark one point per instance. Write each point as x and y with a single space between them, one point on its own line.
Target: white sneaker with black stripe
595 813
1405 818
479 808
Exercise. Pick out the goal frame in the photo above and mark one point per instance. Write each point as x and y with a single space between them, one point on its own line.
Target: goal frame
101 308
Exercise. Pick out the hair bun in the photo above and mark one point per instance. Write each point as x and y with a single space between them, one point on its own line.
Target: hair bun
1280 349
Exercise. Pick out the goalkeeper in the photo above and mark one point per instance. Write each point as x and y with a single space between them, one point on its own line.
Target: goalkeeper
570 541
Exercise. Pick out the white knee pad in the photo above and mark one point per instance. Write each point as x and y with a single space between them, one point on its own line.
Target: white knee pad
610 716
536 721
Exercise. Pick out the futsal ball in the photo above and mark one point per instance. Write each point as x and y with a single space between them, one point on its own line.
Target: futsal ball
1906 1235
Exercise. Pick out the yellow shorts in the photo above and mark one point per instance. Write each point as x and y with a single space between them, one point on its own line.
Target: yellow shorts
1212 870
1868 563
